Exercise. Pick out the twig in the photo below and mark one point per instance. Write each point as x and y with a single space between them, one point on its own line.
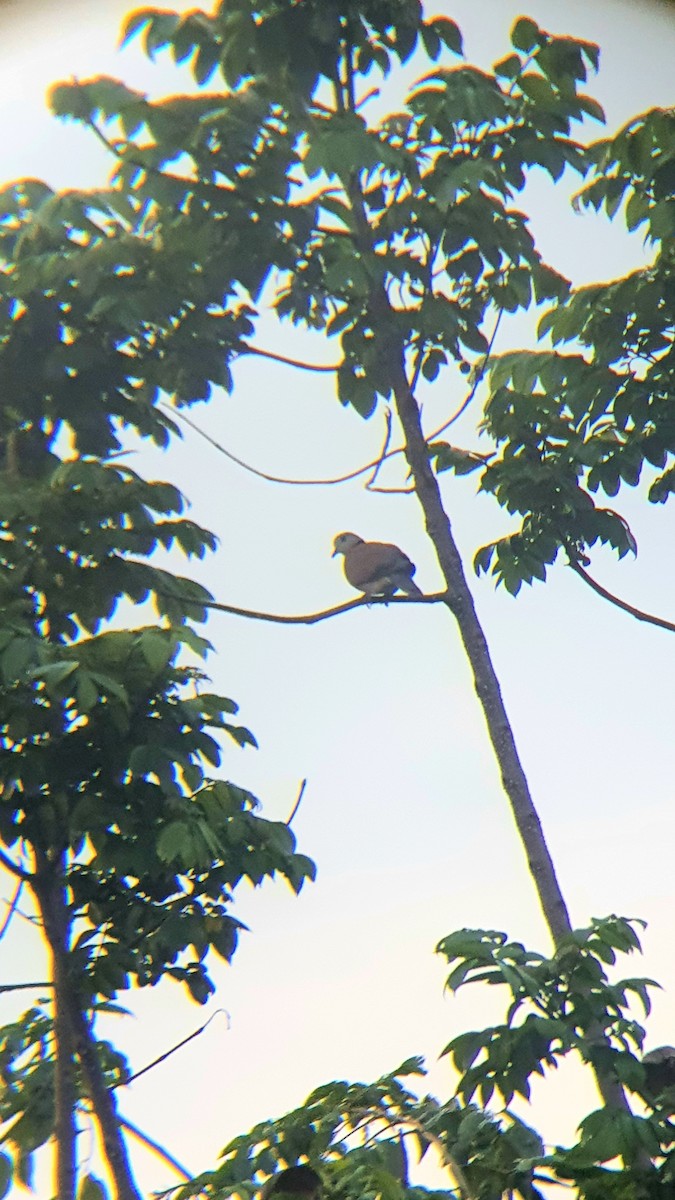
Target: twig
369 484
125 159
350 475
477 379
429 288
21 987
289 362
13 868
383 491
156 1149
167 1054
12 908
180 416
639 615
30 918
447 1159
314 618
297 804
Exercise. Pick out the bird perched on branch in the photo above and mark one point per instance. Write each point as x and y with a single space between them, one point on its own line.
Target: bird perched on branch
659 1068
300 1183
375 568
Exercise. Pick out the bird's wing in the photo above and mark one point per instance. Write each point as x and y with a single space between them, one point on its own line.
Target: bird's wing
371 561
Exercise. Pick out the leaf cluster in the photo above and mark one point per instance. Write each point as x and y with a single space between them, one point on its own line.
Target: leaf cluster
27 1065
281 181
360 1137
279 185
599 416
560 1004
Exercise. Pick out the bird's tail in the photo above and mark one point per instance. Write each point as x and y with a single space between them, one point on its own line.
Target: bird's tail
411 588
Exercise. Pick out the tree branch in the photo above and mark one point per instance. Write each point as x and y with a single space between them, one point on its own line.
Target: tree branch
167 1053
448 1160
622 604
478 376
350 475
314 618
390 491
15 870
74 1038
13 905
22 987
289 362
370 482
156 1149
297 804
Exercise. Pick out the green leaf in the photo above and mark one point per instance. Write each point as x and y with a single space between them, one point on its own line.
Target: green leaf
17 657
452 458
54 673
160 31
525 34
157 649
92 1188
592 107
205 63
449 33
431 40
6 1174
134 23
86 691
509 67
539 90
173 841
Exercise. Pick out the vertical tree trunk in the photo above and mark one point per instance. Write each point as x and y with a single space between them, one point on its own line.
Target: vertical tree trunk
103 1101
53 910
73 1040
460 602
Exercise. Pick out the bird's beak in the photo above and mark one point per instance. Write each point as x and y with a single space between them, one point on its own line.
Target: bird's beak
333 554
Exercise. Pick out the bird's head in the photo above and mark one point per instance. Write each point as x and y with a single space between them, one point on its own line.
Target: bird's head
344 542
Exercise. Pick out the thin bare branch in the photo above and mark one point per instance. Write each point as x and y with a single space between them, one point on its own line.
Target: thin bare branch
264 474
350 475
383 491
14 868
297 804
638 613
12 907
183 1042
23 987
326 482
314 618
289 362
369 484
395 1122
157 1149
478 377
29 918
202 186
429 289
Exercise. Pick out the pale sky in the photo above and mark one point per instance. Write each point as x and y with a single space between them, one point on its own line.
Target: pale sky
403 812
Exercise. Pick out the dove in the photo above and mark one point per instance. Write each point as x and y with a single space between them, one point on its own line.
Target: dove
377 569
